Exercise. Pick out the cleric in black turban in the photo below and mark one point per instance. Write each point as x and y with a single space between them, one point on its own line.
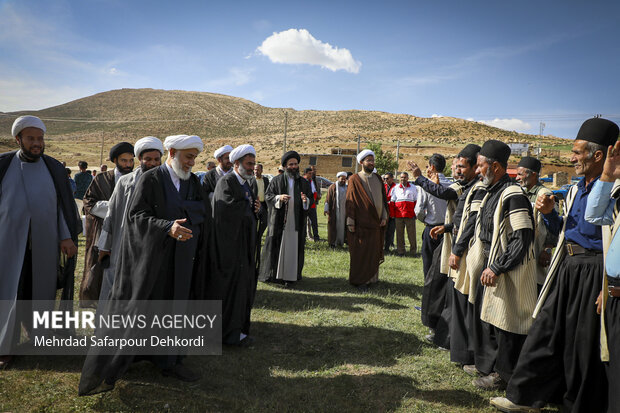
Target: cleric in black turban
289 155
119 149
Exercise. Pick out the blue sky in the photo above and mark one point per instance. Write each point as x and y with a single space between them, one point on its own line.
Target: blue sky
509 64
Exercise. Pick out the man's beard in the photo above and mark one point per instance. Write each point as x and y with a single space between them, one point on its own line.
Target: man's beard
488 177
292 172
125 170
368 169
245 173
178 169
145 168
29 156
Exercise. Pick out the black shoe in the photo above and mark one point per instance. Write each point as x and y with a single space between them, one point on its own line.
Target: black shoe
363 288
5 361
179 371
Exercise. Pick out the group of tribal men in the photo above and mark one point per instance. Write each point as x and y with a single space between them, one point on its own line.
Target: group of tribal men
543 324
524 299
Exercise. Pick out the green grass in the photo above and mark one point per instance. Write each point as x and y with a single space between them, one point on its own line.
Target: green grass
320 346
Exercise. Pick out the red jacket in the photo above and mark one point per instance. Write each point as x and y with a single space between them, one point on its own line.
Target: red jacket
404 199
391 205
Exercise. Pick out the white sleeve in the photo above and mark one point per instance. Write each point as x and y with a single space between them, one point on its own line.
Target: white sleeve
100 209
278 203
104 240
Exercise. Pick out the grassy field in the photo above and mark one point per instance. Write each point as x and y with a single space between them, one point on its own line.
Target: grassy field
321 346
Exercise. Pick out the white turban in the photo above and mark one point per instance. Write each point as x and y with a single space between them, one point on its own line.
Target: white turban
182 142
240 151
221 151
27 121
149 143
363 154
339 174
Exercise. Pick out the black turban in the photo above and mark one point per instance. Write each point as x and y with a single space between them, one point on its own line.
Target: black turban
530 163
119 149
469 151
497 150
598 130
290 155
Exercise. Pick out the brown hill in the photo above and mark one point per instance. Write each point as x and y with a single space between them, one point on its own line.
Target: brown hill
77 129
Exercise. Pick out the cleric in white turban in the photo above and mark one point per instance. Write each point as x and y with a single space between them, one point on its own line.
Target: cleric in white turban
364 154
224 167
26 121
240 151
148 143
221 151
235 209
164 241
149 151
341 173
182 142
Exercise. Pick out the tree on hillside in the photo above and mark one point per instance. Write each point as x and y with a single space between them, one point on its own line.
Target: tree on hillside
384 161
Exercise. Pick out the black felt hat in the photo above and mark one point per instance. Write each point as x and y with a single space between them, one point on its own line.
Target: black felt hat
497 150
290 155
469 151
530 163
119 149
598 130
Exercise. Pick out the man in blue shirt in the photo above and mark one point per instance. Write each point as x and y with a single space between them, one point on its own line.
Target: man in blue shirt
602 209
560 360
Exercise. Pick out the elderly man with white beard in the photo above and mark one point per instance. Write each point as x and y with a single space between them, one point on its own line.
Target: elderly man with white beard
235 212
163 256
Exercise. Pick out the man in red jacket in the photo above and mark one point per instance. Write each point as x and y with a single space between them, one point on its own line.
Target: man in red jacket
404 196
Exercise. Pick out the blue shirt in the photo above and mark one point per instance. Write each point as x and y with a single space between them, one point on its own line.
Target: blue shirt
578 230
600 211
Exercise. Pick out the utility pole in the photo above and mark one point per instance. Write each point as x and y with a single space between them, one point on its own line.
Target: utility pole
101 154
397 155
358 152
542 128
285 126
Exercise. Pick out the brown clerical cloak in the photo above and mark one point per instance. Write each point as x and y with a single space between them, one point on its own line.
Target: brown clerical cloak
366 243
100 189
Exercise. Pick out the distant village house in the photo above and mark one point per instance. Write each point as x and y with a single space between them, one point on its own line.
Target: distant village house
329 165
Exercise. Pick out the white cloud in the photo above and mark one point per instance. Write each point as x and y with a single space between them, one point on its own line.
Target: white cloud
508 124
295 46
113 71
434 115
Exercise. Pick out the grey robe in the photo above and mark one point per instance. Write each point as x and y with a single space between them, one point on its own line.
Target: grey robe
28 213
113 226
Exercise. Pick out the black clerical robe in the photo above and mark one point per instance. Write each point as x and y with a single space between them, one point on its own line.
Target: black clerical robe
234 243
152 265
277 222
